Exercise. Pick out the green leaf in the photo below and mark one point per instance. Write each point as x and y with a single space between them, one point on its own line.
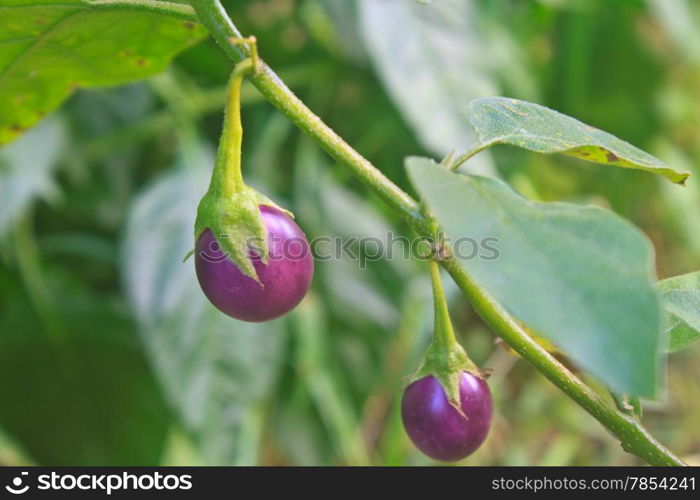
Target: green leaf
680 296
431 57
88 400
212 368
500 120
26 171
49 48
580 276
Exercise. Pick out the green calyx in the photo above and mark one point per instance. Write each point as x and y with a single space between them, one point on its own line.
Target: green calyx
230 209
237 225
445 359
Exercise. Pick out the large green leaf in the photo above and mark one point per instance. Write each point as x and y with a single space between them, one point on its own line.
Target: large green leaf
500 120
26 171
48 48
580 276
430 58
680 296
213 368
425 74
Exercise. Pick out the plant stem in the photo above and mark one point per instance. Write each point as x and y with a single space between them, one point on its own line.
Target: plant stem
443 333
467 155
215 19
634 437
445 359
227 178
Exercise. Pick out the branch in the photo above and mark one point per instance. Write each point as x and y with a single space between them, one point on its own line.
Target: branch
634 437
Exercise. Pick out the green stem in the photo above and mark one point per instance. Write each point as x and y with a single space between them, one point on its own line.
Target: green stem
227 179
467 155
443 334
634 437
445 358
222 29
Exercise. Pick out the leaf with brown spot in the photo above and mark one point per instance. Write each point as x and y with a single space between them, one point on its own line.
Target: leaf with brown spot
44 59
500 120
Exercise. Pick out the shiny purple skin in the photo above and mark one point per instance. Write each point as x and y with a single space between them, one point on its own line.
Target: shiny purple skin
285 278
436 427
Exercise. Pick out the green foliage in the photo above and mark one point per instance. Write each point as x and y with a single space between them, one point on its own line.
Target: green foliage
681 299
88 399
499 120
437 67
325 382
26 171
423 71
49 48
581 277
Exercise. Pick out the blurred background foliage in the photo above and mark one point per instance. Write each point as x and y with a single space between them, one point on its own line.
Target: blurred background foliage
110 354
